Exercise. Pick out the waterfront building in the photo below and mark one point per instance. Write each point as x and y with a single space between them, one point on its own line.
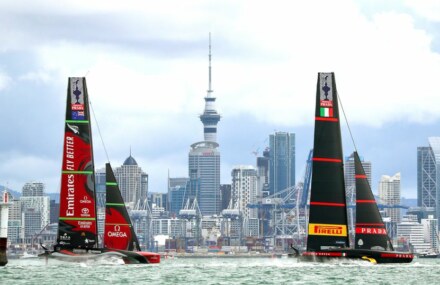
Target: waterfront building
412 231
389 194
251 227
15 223
204 158
32 224
35 210
428 175
430 232
244 189
35 215
132 181
281 161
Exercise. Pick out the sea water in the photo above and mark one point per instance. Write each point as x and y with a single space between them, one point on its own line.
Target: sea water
226 271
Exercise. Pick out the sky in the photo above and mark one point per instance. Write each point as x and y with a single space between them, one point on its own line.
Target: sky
146 65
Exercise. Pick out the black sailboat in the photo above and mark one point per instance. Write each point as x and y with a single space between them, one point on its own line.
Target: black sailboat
328 223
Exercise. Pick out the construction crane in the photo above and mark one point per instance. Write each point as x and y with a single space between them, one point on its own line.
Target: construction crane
192 214
142 218
232 222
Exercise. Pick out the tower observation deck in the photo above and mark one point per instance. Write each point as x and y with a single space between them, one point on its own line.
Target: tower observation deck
210 117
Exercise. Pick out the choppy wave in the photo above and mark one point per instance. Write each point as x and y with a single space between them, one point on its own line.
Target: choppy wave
219 271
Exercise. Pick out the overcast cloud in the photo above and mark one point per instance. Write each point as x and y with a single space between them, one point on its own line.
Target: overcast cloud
146 64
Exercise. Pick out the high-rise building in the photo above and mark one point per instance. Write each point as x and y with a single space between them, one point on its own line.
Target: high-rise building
100 196
428 175
204 158
100 188
36 215
281 161
15 228
349 171
204 174
350 182
32 189
35 209
32 223
263 172
54 211
178 193
244 190
430 232
389 193
132 181
225 190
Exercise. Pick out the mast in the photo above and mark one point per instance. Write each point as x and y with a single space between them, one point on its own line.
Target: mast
77 226
328 213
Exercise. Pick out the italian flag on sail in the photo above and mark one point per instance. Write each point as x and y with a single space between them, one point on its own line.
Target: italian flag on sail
326 112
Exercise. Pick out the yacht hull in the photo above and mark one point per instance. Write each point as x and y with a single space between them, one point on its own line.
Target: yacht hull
373 256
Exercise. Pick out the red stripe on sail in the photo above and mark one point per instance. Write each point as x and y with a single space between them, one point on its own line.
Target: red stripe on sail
324 159
366 201
326 119
327 204
360 176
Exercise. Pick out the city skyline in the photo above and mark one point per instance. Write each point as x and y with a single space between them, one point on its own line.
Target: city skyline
147 77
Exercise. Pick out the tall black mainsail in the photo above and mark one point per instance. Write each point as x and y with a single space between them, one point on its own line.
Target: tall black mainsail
328 187
328 227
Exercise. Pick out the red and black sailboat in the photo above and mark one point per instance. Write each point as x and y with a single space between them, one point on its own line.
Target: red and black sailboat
328 223
77 238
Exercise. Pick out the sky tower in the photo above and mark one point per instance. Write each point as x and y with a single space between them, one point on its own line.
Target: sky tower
204 158
210 117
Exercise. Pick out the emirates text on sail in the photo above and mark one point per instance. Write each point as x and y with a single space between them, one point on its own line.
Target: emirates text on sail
70 154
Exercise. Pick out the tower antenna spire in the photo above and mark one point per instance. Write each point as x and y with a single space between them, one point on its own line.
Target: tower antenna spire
210 78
